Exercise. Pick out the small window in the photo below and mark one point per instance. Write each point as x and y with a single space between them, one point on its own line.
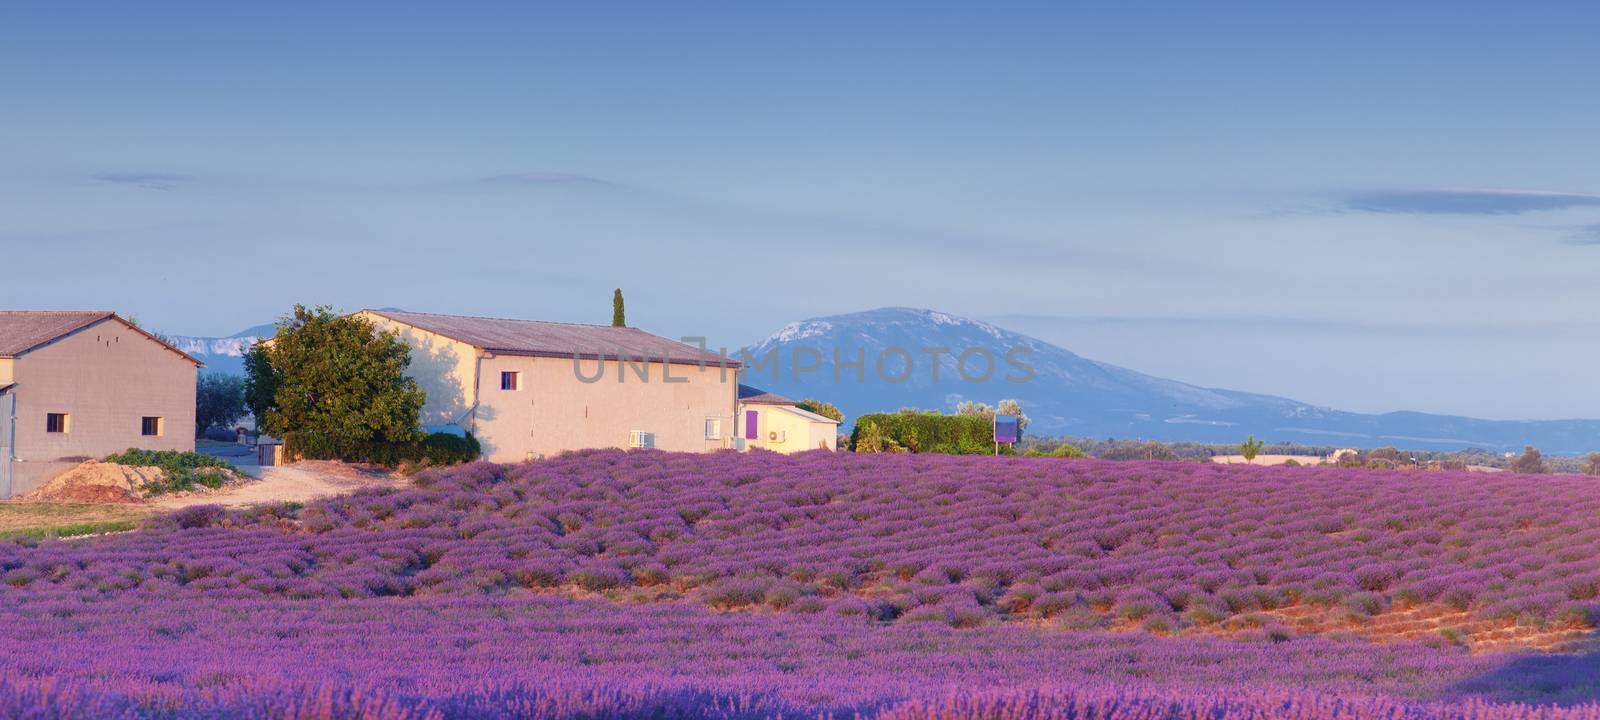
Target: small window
713 429
510 380
150 427
56 422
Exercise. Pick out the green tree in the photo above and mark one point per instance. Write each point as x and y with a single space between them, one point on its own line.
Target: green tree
1068 450
218 401
1387 454
1250 448
333 387
1593 465
1014 409
260 383
618 317
1531 461
825 409
1005 407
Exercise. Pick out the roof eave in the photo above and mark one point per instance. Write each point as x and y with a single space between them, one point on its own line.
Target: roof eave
708 362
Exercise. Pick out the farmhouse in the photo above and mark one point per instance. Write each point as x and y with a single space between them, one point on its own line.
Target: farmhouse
77 385
528 389
774 422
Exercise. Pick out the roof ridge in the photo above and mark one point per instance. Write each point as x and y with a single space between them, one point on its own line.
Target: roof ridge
520 320
58 312
69 322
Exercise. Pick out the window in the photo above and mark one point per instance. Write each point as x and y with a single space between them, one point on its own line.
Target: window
56 422
510 380
713 429
150 426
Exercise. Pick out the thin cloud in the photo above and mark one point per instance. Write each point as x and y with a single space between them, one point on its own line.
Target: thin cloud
1283 324
1464 202
1585 235
147 180
547 179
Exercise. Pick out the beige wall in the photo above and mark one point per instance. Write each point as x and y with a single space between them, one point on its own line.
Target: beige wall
5 371
553 410
106 378
445 369
798 432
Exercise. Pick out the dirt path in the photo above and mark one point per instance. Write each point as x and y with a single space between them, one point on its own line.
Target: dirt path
286 483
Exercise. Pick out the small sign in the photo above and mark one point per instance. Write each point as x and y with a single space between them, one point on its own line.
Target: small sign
1006 431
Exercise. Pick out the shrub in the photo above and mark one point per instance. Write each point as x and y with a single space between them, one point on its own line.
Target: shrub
809 604
735 592
537 576
598 579
181 470
1067 450
1052 604
1531 461
1139 604
447 449
1159 625
1365 604
925 432
1020 598
199 516
1205 615
868 437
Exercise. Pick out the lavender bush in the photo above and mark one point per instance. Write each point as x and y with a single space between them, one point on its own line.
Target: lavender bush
647 584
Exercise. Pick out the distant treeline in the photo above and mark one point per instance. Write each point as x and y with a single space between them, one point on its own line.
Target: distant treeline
1114 449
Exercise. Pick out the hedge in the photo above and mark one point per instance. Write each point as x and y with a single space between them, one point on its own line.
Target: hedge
447 449
927 432
433 449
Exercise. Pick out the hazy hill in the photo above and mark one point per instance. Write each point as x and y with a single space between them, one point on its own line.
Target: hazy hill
224 354
1071 394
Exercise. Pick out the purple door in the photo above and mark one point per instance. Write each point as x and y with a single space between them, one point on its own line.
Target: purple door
750 419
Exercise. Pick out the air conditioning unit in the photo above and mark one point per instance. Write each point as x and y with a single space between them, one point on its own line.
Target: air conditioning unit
777 436
641 439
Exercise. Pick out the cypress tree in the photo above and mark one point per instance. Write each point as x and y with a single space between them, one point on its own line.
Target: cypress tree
617 317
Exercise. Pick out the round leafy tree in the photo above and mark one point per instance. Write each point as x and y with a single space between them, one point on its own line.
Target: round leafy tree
334 387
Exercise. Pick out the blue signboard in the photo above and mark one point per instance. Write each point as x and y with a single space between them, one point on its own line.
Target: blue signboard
1005 429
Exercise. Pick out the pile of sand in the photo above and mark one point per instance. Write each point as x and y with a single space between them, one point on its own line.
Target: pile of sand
98 482
103 482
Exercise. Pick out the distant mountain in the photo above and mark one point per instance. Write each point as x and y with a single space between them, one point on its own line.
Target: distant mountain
1072 395
222 355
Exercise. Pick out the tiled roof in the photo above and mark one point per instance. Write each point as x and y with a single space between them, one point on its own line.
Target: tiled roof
756 396
25 330
551 339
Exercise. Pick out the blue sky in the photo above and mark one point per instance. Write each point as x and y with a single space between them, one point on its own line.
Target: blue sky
1373 206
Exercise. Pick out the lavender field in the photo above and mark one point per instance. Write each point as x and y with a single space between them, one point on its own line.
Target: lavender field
646 584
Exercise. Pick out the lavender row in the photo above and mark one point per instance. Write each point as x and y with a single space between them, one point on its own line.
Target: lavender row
958 540
556 658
